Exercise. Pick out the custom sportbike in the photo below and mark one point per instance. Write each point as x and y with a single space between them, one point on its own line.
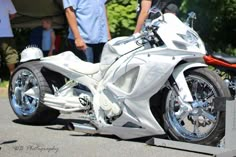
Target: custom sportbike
151 83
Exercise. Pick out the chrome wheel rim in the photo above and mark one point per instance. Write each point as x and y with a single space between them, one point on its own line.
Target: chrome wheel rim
202 120
24 93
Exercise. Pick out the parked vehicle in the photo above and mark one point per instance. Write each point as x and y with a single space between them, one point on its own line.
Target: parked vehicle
225 66
148 84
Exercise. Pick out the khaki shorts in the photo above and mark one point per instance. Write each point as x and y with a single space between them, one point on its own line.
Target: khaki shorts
7 52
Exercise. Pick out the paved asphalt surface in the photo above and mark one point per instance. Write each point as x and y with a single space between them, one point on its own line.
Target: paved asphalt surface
18 140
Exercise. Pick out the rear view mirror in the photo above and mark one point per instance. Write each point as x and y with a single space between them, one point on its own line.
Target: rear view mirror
191 17
155 12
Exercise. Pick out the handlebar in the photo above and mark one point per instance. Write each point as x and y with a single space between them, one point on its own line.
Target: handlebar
148 34
131 38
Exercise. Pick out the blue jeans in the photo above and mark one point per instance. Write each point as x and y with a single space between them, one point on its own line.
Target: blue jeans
89 54
92 53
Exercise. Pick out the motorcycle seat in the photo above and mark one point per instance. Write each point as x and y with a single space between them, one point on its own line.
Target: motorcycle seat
84 67
72 62
224 57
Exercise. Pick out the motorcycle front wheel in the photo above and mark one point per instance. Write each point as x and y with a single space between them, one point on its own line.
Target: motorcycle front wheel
203 125
26 91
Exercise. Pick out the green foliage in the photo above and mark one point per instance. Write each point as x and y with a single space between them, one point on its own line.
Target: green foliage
216 22
122 16
4 84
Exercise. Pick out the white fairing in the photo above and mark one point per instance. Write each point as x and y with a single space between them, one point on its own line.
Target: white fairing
69 61
181 35
179 77
130 73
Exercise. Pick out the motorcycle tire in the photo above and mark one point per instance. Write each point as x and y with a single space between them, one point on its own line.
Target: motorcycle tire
198 81
31 110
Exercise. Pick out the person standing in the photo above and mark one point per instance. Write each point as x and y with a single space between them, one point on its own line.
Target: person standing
166 6
48 37
89 29
9 54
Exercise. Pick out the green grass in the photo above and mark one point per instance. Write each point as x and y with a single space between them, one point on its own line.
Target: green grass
4 84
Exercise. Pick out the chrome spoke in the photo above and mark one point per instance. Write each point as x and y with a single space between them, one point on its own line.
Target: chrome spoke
25 93
33 93
198 123
210 96
194 88
28 105
196 129
209 116
27 82
181 115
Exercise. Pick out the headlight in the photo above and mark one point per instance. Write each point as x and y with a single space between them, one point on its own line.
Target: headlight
190 37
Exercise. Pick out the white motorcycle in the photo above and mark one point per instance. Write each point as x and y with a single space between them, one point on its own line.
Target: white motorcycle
148 84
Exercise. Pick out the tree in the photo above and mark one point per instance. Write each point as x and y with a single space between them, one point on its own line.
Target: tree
216 22
122 16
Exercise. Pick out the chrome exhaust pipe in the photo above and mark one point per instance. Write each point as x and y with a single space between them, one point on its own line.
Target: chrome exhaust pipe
85 128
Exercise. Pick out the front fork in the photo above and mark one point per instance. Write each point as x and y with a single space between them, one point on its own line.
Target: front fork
186 107
179 86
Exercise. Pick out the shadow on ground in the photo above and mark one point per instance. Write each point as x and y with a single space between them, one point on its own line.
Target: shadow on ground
8 142
63 126
58 121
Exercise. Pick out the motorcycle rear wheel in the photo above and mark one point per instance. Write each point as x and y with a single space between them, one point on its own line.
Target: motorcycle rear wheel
197 127
28 78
